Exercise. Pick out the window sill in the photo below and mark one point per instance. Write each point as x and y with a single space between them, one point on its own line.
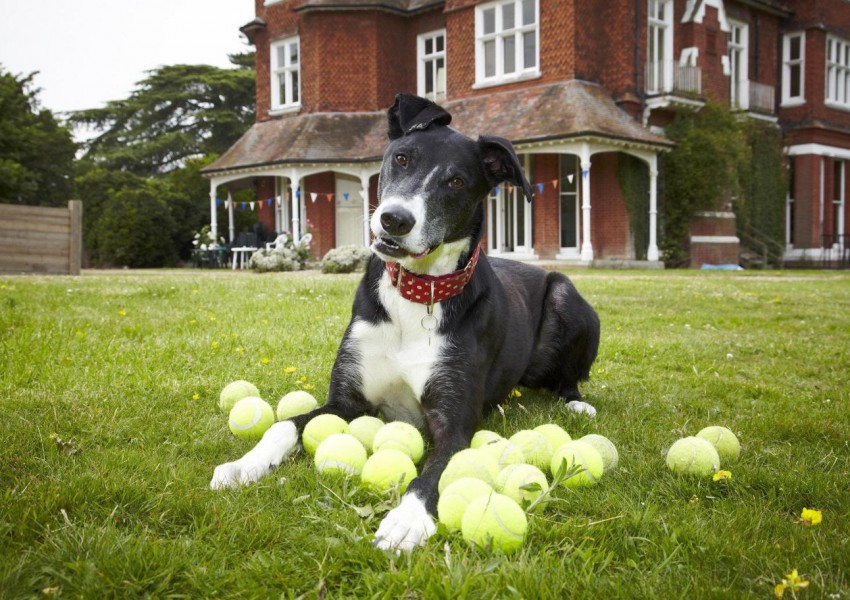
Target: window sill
480 85
284 110
792 103
271 2
837 105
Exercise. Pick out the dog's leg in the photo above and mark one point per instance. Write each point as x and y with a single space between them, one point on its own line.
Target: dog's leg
412 522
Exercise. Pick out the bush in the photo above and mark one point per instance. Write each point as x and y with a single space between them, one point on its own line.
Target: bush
280 258
345 259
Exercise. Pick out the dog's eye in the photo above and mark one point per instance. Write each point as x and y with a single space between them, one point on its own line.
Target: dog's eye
455 183
401 159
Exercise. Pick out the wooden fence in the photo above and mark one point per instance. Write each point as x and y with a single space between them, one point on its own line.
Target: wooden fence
36 239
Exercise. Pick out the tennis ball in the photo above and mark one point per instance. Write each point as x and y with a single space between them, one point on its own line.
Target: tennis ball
606 448
513 478
724 441
456 498
340 453
534 446
504 452
581 455
472 462
320 428
235 391
250 418
495 521
484 436
364 429
399 435
295 403
693 456
554 434
386 469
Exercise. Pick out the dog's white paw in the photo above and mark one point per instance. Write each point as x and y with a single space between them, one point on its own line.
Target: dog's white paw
406 527
275 445
580 407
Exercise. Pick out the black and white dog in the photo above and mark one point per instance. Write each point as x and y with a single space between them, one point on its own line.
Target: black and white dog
440 333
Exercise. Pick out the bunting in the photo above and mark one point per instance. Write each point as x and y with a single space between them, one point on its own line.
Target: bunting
313 196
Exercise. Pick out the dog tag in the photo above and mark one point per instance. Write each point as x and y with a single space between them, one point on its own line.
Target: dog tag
429 324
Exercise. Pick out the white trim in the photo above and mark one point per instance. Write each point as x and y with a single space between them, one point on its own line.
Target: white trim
695 11
689 57
787 100
739 78
819 150
837 73
498 37
715 239
423 62
288 70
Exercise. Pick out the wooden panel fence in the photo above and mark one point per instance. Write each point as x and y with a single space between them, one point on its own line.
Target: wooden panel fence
36 239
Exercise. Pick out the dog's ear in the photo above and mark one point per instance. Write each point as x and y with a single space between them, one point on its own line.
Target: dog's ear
501 163
412 113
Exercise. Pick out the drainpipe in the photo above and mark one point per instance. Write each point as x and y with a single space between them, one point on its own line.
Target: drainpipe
638 77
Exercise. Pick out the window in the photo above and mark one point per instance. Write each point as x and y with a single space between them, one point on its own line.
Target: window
432 65
837 72
738 67
793 68
506 41
286 71
659 48
569 187
838 179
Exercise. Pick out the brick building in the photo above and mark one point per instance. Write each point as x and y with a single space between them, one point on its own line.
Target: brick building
579 88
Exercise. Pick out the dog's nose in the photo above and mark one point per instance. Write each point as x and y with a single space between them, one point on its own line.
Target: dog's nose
397 221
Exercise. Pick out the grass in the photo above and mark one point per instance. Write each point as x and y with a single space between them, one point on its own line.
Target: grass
125 369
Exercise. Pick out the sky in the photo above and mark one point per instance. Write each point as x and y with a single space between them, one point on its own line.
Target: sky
88 52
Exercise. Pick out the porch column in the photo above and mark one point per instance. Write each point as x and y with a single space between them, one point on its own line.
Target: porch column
230 228
364 192
652 250
213 216
586 246
295 182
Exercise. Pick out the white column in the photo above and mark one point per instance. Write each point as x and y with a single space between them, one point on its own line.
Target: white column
364 191
213 216
295 183
652 249
230 227
586 246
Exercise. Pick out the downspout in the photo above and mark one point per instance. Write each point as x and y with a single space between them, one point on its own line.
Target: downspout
638 78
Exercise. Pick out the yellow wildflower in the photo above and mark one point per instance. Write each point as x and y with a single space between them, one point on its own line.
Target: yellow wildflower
240 350
264 361
214 344
122 312
811 516
290 370
792 582
722 475
308 386
196 396
515 393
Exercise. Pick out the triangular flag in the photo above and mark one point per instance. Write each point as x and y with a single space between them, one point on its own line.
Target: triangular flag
345 195
244 204
496 190
555 182
363 194
252 205
313 196
585 173
278 200
227 204
540 187
330 197
298 193
269 202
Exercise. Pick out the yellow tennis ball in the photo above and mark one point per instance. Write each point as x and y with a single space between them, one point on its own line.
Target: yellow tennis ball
456 498
484 436
472 462
495 521
580 456
724 441
320 428
534 446
235 391
387 468
504 452
250 418
554 434
523 484
399 435
340 453
295 403
606 448
364 429
693 456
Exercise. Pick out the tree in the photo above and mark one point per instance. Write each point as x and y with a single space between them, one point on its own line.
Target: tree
176 113
36 151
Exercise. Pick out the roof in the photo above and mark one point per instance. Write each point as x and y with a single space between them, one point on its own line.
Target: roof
549 112
399 6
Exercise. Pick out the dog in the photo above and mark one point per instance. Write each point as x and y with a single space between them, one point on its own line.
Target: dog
440 333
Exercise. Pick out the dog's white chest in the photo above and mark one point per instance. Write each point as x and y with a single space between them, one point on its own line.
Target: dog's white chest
397 357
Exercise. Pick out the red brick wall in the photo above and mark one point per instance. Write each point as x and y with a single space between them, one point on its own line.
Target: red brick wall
322 213
265 213
807 201
609 219
546 210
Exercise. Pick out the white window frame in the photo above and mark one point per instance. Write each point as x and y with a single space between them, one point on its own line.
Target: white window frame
787 64
838 195
569 252
428 62
659 31
289 70
498 37
739 54
837 73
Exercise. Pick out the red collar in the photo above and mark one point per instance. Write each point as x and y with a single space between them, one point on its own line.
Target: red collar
430 289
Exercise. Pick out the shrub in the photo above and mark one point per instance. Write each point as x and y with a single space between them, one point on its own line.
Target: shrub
345 259
280 258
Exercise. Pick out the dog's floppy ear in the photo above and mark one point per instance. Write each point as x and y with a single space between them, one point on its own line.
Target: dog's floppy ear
411 113
501 163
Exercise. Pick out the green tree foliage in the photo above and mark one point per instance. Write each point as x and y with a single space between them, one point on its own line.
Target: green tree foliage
176 113
761 212
633 177
36 151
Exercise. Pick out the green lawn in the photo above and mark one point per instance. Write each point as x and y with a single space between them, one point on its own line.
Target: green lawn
124 368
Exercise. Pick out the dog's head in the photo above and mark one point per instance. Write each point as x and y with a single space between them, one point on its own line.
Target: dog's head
432 185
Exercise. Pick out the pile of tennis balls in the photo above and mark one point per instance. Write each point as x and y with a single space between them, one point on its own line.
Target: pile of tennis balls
249 416
703 454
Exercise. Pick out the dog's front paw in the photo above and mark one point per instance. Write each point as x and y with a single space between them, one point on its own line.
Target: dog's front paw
405 527
234 474
581 407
